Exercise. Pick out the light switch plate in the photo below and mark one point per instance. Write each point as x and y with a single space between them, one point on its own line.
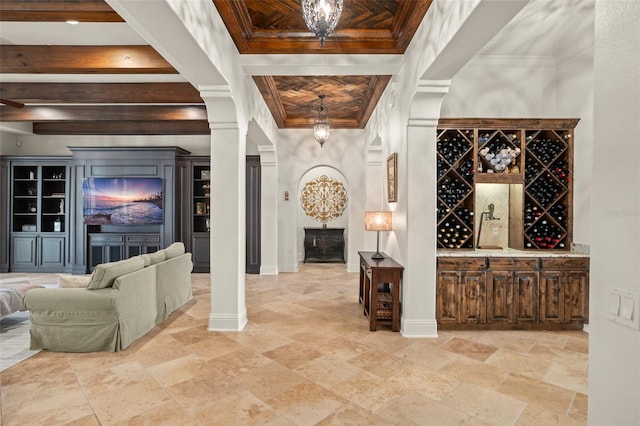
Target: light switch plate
624 307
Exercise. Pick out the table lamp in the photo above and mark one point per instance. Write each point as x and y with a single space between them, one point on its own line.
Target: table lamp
377 221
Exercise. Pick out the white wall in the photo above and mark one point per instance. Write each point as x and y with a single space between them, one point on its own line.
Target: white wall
298 152
614 350
57 145
500 86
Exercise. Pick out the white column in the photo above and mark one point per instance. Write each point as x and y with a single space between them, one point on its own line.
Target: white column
419 278
269 198
228 245
614 349
375 195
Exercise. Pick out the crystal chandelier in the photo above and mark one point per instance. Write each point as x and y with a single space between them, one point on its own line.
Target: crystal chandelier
321 16
322 126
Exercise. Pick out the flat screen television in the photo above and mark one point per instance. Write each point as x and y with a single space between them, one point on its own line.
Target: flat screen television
122 201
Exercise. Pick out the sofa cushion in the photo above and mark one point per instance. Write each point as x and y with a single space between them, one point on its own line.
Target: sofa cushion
174 250
105 273
73 281
153 258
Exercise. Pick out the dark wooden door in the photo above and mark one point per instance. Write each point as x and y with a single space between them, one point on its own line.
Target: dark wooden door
253 214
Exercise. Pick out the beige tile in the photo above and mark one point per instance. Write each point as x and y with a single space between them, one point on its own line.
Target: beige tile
307 403
341 348
328 371
113 407
535 416
240 408
368 390
472 371
169 414
178 370
270 380
293 355
522 364
430 383
239 362
537 393
579 408
341 373
382 364
353 415
468 348
567 377
483 404
417 409
259 339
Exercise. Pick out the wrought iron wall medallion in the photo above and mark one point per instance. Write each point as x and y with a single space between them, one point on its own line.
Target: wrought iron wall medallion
324 199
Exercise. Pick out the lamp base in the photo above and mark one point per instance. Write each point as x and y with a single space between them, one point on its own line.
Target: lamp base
377 255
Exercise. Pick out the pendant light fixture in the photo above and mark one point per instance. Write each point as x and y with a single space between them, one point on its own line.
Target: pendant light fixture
322 126
321 16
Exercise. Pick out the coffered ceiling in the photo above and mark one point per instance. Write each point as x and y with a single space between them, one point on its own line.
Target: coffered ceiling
115 83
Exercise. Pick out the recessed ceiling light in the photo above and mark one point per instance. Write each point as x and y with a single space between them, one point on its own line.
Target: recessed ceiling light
72 21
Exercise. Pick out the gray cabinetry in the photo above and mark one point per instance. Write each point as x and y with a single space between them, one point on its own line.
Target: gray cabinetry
105 248
38 214
141 244
108 247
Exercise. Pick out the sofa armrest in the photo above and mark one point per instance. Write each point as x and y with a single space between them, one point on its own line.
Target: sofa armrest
138 292
71 300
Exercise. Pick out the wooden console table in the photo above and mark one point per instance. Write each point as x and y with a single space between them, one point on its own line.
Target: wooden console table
382 307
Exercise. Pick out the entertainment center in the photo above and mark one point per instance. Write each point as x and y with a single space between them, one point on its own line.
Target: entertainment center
101 204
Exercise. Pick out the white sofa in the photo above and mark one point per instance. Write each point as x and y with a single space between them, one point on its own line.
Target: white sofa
122 302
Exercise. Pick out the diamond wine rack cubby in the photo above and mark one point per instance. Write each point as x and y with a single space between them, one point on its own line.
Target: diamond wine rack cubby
533 156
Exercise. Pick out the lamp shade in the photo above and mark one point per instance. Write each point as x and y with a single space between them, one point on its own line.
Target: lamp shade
377 221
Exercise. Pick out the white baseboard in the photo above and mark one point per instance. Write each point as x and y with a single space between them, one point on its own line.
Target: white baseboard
226 322
419 328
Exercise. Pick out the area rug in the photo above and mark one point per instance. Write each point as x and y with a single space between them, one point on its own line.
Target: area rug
14 339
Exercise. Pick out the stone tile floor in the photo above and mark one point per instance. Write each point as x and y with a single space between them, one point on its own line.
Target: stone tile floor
306 357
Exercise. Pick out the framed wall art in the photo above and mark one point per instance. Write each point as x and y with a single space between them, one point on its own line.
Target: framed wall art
392 178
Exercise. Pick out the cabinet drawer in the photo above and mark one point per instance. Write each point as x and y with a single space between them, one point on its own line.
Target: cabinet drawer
513 263
105 238
564 263
461 263
140 239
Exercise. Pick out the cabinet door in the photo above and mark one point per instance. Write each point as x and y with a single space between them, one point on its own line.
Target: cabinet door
552 296
23 252
525 287
52 252
201 252
447 297
577 296
473 298
500 297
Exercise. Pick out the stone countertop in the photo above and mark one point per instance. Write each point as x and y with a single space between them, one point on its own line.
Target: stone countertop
506 252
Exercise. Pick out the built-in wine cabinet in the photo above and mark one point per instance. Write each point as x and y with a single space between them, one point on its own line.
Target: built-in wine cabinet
533 157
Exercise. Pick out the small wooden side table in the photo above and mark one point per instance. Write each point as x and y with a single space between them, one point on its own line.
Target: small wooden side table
382 307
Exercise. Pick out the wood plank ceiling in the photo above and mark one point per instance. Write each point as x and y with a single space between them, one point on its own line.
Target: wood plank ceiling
176 108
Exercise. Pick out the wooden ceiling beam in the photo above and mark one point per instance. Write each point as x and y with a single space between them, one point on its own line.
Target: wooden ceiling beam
57 11
103 113
82 59
186 127
139 93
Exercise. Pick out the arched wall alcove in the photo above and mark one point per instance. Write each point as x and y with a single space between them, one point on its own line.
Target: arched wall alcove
305 221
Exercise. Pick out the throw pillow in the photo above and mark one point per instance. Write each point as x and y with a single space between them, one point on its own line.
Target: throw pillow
105 274
73 281
155 257
174 250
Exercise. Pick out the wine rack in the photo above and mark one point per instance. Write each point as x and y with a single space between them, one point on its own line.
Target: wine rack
534 156
548 189
455 150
